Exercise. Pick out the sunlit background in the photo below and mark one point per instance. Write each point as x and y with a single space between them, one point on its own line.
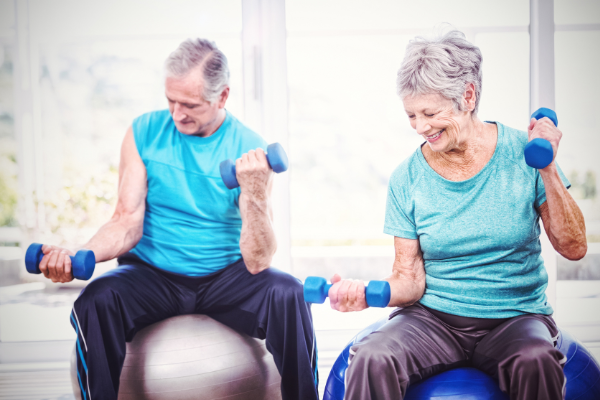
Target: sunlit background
74 74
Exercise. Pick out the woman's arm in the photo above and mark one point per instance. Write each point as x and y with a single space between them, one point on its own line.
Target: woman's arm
562 218
408 274
407 282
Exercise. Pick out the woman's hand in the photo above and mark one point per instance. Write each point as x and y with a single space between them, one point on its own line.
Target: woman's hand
347 294
544 128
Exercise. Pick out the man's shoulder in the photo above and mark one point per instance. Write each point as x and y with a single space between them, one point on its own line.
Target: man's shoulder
153 117
244 133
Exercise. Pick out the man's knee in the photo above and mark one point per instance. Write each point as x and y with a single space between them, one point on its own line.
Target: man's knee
285 288
101 293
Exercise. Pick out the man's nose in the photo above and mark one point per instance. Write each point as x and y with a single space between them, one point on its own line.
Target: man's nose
178 114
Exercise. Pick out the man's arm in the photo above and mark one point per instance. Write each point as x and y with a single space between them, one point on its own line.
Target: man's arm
257 241
124 229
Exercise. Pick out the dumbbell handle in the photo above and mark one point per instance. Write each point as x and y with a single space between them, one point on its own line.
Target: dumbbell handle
83 263
316 290
538 152
276 158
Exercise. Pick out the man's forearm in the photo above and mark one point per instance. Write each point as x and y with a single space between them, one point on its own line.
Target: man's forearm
114 238
257 241
566 228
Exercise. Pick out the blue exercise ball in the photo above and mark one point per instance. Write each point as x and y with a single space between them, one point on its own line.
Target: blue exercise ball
581 370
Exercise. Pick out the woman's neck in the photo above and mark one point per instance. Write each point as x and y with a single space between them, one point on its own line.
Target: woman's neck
469 156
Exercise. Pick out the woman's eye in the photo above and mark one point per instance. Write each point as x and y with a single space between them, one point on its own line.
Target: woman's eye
429 115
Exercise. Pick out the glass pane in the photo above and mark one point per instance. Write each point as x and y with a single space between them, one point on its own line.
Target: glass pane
576 12
97 66
348 128
577 82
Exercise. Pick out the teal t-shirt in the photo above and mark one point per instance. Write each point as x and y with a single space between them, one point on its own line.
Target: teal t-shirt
192 223
479 237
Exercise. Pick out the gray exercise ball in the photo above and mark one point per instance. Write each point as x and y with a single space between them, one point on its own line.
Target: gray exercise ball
194 357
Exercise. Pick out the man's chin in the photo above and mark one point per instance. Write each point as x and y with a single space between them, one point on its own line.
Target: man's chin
186 129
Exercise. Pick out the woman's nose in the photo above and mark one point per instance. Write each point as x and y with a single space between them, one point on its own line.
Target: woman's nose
422 125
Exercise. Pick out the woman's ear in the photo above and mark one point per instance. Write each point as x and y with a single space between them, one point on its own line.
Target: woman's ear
469 97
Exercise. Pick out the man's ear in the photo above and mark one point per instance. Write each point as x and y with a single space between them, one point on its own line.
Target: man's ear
223 97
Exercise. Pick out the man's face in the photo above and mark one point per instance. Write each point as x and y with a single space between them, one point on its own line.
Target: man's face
192 114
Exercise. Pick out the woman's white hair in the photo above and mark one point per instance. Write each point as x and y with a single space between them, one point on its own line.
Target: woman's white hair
444 65
202 53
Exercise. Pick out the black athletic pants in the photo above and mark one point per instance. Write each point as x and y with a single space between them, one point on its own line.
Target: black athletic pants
269 305
419 342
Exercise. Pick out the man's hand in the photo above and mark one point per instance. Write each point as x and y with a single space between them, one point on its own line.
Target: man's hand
254 173
544 128
347 294
56 263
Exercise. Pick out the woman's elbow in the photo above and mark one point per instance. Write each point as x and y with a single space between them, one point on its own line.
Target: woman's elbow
576 251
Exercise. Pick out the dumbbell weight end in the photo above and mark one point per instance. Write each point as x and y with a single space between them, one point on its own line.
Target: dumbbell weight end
539 152
82 264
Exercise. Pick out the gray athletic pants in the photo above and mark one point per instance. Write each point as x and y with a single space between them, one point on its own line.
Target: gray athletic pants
419 342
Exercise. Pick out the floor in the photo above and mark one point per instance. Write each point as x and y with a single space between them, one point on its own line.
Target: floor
36 338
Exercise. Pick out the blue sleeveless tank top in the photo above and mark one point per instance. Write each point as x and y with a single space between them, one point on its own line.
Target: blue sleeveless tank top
192 222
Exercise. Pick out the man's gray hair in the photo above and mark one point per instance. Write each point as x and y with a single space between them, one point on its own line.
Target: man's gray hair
444 65
193 53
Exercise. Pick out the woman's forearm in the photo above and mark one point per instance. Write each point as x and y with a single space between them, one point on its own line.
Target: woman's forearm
407 286
563 220
257 240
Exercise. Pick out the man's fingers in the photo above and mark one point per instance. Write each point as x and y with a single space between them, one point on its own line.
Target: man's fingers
52 262
68 267
44 265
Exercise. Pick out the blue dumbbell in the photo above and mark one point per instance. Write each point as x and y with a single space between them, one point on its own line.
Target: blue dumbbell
538 152
82 264
316 290
276 157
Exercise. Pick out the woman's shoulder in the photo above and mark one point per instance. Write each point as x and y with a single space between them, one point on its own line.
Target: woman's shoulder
513 142
409 172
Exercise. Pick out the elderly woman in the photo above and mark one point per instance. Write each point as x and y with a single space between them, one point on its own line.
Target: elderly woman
468 276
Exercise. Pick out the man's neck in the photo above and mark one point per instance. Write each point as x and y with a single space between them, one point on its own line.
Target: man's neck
213 126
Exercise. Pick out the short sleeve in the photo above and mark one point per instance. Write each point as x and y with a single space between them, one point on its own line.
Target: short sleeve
140 127
540 190
398 211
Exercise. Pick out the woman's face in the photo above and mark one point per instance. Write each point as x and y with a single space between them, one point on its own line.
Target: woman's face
434 118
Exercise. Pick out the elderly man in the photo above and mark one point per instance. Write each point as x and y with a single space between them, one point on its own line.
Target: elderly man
185 243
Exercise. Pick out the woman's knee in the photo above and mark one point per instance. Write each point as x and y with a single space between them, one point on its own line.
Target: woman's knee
374 355
537 356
